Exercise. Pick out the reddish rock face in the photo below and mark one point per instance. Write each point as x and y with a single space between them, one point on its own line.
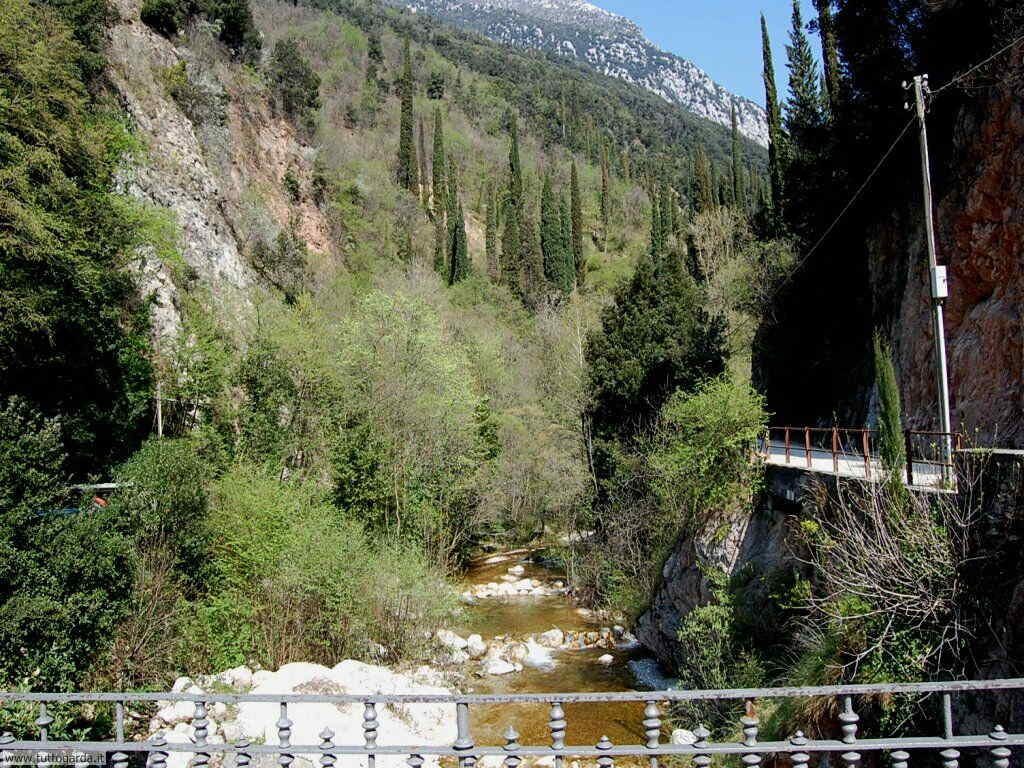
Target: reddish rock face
980 230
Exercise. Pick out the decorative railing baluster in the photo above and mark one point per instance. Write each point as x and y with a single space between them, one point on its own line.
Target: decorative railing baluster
119 760
43 722
242 757
512 760
799 759
370 726
1000 753
605 761
415 761
199 723
284 736
158 758
750 721
701 735
464 740
899 758
849 720
327 759
556 722
652 728
119 721
950 756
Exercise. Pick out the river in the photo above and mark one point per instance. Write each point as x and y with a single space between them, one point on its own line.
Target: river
574 671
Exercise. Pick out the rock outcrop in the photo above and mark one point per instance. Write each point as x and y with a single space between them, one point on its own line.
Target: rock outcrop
748 541
218 171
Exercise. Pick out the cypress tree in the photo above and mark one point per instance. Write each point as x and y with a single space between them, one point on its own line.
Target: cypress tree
491 235
890 428
776 147
515 166
408 174
738 193
511 263
657 244
551 236
675 219
439 192
704 179
829 51
605 202
576 203
424 173
803 107
458 251
440 243
533 259
568 263
666 216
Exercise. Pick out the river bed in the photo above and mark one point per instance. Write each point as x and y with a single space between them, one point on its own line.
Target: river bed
574 671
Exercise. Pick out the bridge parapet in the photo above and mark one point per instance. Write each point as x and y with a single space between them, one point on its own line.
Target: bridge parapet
996 745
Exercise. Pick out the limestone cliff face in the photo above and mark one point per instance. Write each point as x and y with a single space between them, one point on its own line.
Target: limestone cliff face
753 542
980 230
219 171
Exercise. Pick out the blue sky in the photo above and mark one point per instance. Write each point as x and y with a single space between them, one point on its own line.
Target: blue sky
722 37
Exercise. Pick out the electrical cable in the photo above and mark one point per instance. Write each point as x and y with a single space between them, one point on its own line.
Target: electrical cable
848 205
979 65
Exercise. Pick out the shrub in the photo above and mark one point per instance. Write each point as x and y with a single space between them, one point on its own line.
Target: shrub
164 16
200 103
165 502
61 575
294 83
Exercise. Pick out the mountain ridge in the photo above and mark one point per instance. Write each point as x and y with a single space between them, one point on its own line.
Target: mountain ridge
608 42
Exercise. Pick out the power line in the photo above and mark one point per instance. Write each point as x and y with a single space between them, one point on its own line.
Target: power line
979 65
847 207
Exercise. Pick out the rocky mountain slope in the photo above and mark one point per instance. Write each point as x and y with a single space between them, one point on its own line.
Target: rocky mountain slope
609 43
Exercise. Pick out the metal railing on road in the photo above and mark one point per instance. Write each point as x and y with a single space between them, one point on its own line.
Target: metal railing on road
997 743
853 452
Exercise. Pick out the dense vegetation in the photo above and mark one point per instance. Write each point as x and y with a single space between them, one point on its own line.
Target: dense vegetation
546 322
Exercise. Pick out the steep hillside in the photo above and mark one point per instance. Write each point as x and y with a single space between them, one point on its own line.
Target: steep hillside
611 44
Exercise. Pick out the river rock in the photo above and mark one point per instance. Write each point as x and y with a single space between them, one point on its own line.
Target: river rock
468 598
450 640
181 684
408 724
499 667
239 678
517 652
178 712
607 660
683 736
523 585
553 638
476 646
458 656
517 570
537 656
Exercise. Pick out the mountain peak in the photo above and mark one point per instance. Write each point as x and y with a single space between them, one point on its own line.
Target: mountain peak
612 44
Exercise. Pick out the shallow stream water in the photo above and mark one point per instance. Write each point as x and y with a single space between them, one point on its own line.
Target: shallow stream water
575 671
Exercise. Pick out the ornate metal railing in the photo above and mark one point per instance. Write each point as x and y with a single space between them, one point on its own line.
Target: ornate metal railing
996 744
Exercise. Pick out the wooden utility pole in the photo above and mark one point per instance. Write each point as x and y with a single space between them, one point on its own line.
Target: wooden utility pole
159 411
939 285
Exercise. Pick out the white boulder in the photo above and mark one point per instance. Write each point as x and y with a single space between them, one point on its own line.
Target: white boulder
606 660
450 640
178 712
400 724
239 678
517 570
683 736
537 656
181 684
499 667
476 646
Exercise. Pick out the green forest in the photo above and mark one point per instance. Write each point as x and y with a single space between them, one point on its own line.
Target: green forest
544 309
